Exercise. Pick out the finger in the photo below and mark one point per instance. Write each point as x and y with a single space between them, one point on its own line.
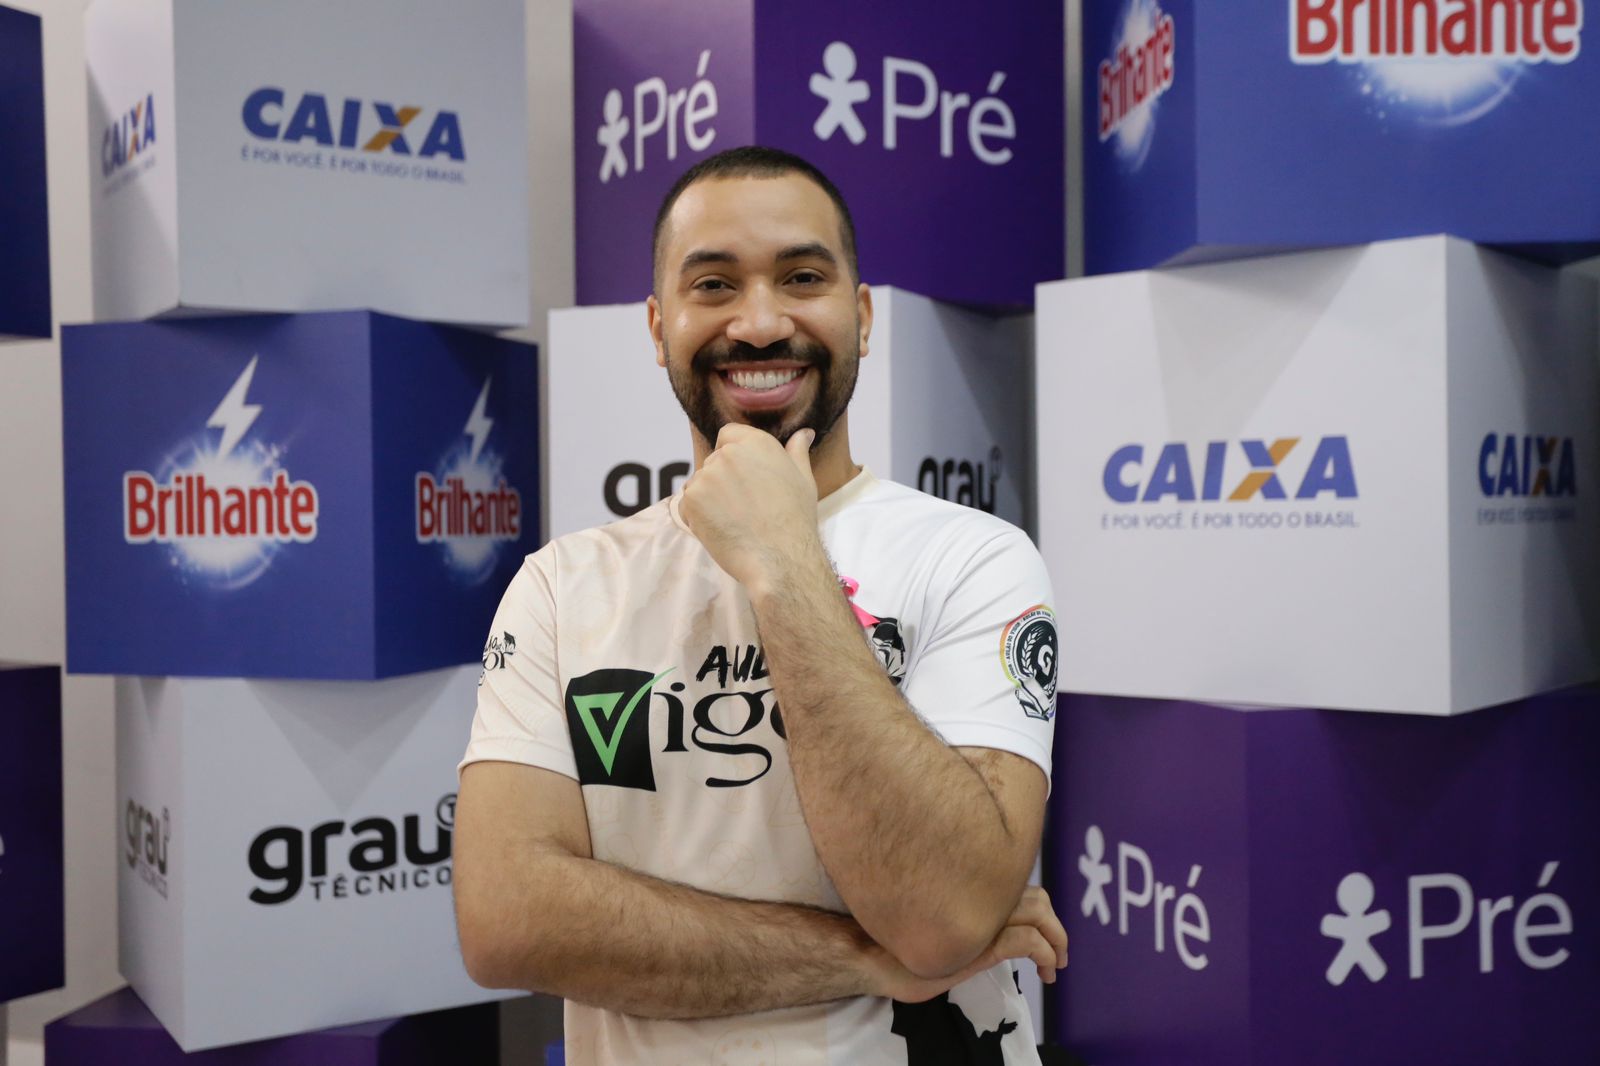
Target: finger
799 447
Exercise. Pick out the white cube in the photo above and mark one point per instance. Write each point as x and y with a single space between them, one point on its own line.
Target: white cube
1362 478
286 851
301 156
942 404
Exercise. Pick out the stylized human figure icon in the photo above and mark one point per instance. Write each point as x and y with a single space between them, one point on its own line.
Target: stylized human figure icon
842 94
610 137
1355 928
1097 873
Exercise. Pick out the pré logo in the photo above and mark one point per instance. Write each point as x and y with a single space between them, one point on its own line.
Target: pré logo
910 92
146 840
1353 31
1358 924
961 480
1527 466
1172 473
628 486
379 857
355 124
466 506
1138 888
130 136
223 509
686 111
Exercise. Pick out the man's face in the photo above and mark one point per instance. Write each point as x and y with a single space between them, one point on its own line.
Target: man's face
756 316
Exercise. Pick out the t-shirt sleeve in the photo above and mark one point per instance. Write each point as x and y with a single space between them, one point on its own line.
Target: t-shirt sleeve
984 675
520 717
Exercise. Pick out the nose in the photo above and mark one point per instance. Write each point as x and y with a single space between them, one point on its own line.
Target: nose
760 318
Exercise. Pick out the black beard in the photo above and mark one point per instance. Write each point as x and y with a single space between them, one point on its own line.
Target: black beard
829 399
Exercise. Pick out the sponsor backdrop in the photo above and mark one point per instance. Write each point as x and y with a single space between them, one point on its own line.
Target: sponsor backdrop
942 404
943 131
1394 118
275 496
345 158
32 902
1361 478
305 826
1323 888
24 220
120 1028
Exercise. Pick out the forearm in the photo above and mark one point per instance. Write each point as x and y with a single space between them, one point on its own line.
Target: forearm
904 824
610 937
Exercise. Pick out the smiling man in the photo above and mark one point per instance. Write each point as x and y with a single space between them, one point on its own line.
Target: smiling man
765 776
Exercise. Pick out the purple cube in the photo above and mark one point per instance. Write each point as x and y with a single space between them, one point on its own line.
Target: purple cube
120 1028
1328 887
944 131
32 904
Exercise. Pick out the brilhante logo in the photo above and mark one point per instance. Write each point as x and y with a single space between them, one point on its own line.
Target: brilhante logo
222 504
1141 68
1438 62
465 504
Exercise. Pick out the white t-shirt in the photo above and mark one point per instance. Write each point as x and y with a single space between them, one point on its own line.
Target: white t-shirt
624 657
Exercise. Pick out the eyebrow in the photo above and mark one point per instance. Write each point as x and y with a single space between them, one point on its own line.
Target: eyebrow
807 250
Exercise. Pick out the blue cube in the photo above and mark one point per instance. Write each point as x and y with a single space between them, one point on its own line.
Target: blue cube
1214 130
340 495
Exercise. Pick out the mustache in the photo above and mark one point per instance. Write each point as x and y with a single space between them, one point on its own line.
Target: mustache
717 355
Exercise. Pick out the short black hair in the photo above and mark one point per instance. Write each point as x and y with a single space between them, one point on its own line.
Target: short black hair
754 161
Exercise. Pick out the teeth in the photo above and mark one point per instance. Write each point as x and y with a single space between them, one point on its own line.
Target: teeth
761 380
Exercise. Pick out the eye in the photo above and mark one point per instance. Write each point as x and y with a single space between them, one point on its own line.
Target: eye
711 285
807 277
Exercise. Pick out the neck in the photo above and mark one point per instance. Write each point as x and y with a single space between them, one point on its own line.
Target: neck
831 464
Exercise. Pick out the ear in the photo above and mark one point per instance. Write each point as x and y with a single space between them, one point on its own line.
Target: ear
652 314
864 315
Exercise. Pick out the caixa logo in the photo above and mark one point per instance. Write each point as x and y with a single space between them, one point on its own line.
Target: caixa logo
1178 472
961 480
466 506
1141 68
1527 466
375 856
223 506
130 136
977 123
146 841
270 115
1171 911
1532 927
1446 63
628 486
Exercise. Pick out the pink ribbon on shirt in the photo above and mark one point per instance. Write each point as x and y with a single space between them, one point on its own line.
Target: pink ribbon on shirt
850 586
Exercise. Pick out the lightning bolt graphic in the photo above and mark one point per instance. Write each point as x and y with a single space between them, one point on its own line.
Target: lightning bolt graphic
478 425
233 416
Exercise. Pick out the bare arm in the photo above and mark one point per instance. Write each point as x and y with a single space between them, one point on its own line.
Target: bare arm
535 911
929 847
888 803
